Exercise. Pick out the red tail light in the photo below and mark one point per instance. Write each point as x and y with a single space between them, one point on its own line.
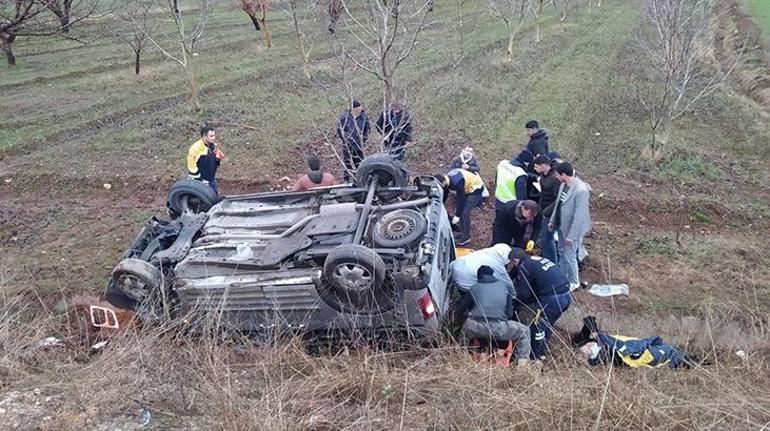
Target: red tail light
426 306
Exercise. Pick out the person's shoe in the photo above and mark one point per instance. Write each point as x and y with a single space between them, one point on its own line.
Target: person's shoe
574 286
584 285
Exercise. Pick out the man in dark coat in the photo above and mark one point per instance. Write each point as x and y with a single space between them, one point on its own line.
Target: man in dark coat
549 194
353 130
538 138
395 126
517 222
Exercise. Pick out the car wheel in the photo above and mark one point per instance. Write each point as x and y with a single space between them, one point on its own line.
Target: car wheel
389 171
357 280
136 279
190 197
400 228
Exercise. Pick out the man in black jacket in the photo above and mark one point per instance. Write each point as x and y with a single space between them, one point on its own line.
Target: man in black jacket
538 138
517 222
549 194
544 289
395 126
353 130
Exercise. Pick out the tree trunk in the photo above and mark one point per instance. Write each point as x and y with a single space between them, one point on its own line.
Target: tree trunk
193 83
255 21
136 61
266 33
660 134
64 22
7 40
301 43
511 35
388 81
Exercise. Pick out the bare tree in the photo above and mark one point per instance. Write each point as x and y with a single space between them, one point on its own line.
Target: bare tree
32 18
302 16
14 16
186 38
512 13
462 25
68 12
675 42
133 24
257 11
378 35
62 10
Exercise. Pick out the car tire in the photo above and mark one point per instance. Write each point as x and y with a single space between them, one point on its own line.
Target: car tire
190 196
357 280
136 279
390 172
399 228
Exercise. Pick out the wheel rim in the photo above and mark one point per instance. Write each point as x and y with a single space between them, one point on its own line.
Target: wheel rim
353 277
398 228
133 286
190 204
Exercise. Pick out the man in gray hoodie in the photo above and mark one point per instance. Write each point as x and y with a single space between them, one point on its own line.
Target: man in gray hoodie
488 306
574 220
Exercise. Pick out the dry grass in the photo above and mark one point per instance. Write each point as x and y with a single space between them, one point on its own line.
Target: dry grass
194 382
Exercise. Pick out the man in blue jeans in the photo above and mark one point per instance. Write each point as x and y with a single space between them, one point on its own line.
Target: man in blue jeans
544 289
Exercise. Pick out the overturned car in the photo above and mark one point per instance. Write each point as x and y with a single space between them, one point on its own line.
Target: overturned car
370 257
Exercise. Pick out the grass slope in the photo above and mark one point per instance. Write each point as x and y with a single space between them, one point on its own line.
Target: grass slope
761 11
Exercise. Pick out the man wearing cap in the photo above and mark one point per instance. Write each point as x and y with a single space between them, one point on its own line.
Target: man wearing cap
316 177
395 126
511 179
538 138
544 290
353 130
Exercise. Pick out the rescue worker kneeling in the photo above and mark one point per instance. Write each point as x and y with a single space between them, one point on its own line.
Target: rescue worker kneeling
489 307
544 289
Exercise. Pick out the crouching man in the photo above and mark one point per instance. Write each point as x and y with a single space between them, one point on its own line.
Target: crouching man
489 307
486 288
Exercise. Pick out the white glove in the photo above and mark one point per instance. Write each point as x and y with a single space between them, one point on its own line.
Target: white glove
455 220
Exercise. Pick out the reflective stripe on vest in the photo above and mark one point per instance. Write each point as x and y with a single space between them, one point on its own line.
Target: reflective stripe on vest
506 181
646 359
473 181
